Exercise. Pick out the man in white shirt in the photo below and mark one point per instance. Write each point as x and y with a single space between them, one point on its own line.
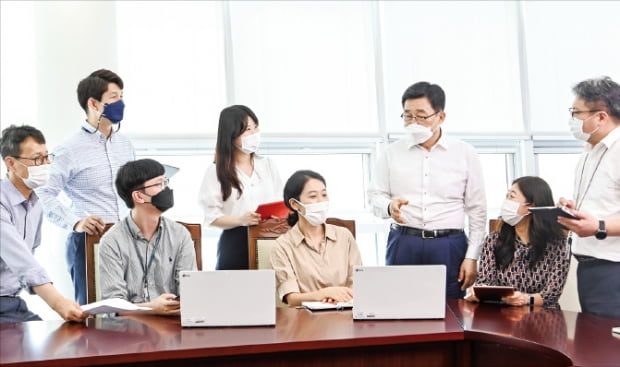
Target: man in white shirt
427 183
595 118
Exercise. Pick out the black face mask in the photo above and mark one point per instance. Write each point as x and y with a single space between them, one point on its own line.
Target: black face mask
164 200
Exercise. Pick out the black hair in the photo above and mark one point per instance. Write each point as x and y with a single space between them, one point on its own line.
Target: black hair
132 175
95 85
433 92
14 135
233 123
602 93
294 187
542 232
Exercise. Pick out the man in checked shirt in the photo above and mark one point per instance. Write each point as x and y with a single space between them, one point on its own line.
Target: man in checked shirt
84 169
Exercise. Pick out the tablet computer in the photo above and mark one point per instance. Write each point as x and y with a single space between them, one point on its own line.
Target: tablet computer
551 213
170 171
492 293
275 209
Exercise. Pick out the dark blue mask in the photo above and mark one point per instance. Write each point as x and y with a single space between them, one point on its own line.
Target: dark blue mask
114 111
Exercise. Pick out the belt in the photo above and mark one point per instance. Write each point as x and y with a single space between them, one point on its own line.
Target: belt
425 233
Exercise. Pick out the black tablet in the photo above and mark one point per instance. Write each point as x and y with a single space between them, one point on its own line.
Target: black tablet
551 213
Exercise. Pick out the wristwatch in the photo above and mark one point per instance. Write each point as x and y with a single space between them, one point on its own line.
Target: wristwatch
601 234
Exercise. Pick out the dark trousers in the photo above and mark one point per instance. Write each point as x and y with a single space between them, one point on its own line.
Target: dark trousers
232 249
76 262
405 249
598 283
14 309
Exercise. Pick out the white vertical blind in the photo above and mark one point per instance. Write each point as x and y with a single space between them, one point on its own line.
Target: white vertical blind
469 48
567 42
305 66
171 59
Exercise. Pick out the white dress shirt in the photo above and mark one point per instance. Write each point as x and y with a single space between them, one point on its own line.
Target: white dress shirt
264 186
597 191
442 186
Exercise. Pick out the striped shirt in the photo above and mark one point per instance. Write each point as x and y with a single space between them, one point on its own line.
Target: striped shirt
124 253
84 168
20 235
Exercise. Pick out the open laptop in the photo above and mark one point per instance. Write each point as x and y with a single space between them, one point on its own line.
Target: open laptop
228 298
399 292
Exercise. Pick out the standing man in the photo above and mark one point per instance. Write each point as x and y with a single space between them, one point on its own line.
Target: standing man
142 255
27 161
595 117
85 168
427 182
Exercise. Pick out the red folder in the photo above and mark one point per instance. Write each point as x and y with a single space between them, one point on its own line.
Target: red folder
275 209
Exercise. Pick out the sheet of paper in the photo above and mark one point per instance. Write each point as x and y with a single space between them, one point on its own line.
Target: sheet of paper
111 305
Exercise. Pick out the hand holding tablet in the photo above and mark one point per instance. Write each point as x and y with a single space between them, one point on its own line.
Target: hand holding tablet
552 213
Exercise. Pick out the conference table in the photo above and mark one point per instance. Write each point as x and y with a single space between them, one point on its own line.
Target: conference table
469 335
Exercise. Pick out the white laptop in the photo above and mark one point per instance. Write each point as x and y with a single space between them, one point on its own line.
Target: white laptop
399 292
228 298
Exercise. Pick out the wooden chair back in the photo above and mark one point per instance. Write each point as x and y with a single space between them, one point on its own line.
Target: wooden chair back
92 264
261 238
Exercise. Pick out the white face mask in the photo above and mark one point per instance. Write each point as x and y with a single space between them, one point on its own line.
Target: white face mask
37 175
316 213
418 133
509 212
576 127
250 143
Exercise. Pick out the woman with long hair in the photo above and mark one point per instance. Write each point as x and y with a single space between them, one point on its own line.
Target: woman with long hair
236 183
313 260
528 252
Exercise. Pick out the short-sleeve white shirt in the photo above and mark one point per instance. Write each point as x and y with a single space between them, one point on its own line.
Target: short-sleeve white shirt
263 186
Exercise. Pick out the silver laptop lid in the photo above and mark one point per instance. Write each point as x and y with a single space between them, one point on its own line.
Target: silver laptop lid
228 298
399 292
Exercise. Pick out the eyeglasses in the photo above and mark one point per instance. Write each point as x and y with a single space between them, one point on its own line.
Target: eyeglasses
573 111
163 184
38 161
410 118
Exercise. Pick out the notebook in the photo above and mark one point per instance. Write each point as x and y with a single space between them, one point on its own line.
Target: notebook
228 298
399 292
324 306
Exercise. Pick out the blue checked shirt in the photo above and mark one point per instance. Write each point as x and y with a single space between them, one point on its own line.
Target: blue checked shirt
85 167
20 234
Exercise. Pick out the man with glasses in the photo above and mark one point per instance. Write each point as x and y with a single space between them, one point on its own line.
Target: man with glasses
595 118
428 182
27 161
141 256
85 168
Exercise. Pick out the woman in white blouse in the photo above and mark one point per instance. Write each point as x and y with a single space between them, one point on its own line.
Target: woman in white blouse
236 183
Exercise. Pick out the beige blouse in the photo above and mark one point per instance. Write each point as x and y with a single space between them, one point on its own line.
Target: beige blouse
301 268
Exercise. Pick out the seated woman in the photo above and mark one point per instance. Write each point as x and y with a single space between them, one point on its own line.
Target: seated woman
528 252
313 260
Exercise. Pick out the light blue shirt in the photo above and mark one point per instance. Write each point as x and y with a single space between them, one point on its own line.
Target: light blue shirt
85 167
20 234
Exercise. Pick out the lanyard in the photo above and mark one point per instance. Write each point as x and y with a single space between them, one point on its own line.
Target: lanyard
579 202
145 266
